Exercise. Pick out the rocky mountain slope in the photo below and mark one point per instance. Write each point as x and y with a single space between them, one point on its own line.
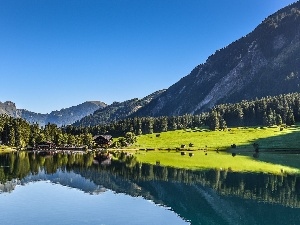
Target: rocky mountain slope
117 110
264 62
60 117
9 108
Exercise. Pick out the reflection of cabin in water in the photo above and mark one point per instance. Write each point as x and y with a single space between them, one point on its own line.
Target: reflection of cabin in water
45 145
103 141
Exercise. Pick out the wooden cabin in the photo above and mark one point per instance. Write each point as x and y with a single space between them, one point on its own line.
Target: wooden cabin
103 141
45 145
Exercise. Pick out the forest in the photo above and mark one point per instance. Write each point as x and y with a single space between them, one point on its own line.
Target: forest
267 111
16 132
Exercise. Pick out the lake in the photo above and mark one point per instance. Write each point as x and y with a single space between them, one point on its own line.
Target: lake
76 189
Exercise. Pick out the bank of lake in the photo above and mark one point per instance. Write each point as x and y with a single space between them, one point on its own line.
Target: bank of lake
230 149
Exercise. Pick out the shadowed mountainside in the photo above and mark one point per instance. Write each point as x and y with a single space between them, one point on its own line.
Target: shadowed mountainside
117 111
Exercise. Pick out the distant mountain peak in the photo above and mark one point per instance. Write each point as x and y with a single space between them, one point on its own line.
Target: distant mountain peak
59 117
8 108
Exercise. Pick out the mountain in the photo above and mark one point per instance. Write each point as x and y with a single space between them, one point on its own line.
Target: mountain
266 62
9 108
117 110
62 117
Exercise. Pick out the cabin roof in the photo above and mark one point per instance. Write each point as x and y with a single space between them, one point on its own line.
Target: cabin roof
106 137
45 143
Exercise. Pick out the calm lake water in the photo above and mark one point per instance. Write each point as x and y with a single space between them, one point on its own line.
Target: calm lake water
75 189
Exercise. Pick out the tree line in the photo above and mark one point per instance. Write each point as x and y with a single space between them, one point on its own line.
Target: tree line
17 132
267 111
284 190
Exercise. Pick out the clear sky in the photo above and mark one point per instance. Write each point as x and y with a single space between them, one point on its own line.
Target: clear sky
59 53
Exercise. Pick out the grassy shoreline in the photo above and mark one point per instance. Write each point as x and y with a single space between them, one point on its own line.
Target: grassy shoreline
213 160
212 149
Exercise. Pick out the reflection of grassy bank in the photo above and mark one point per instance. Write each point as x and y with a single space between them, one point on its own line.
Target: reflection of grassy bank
206 142
5 149
200 138
213 160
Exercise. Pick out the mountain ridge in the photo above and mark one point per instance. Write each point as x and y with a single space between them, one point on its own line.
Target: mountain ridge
88 113
264 62
117 110
61 117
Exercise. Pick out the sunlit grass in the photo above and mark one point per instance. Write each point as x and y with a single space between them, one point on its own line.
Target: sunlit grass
206 142
242 137
212 160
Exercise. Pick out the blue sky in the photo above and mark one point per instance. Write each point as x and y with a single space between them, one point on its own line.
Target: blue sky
59 53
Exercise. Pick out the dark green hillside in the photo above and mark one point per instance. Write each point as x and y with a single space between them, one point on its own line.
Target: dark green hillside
69 115
116 111
277 110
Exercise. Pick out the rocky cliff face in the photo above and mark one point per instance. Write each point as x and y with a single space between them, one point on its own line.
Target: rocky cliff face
265 62
9 108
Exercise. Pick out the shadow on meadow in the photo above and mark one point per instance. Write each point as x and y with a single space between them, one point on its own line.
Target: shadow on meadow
283 149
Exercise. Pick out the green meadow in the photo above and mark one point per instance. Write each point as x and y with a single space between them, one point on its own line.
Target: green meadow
278 149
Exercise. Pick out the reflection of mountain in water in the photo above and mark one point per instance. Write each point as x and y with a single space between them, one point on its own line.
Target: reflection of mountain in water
202 197
9 186
208 197
275 189
69 179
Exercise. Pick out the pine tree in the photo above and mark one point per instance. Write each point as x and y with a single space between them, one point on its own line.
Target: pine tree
11 137
213 121
278 119
290 120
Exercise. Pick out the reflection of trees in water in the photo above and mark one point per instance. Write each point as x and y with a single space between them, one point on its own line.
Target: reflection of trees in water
194 195
283 190
19 165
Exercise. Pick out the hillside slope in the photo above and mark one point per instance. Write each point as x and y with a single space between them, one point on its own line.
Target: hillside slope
117 111
263 63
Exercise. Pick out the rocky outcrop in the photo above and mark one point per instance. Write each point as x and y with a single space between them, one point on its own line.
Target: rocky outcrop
9 108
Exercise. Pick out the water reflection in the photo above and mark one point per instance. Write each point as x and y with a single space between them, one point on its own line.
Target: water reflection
202 197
